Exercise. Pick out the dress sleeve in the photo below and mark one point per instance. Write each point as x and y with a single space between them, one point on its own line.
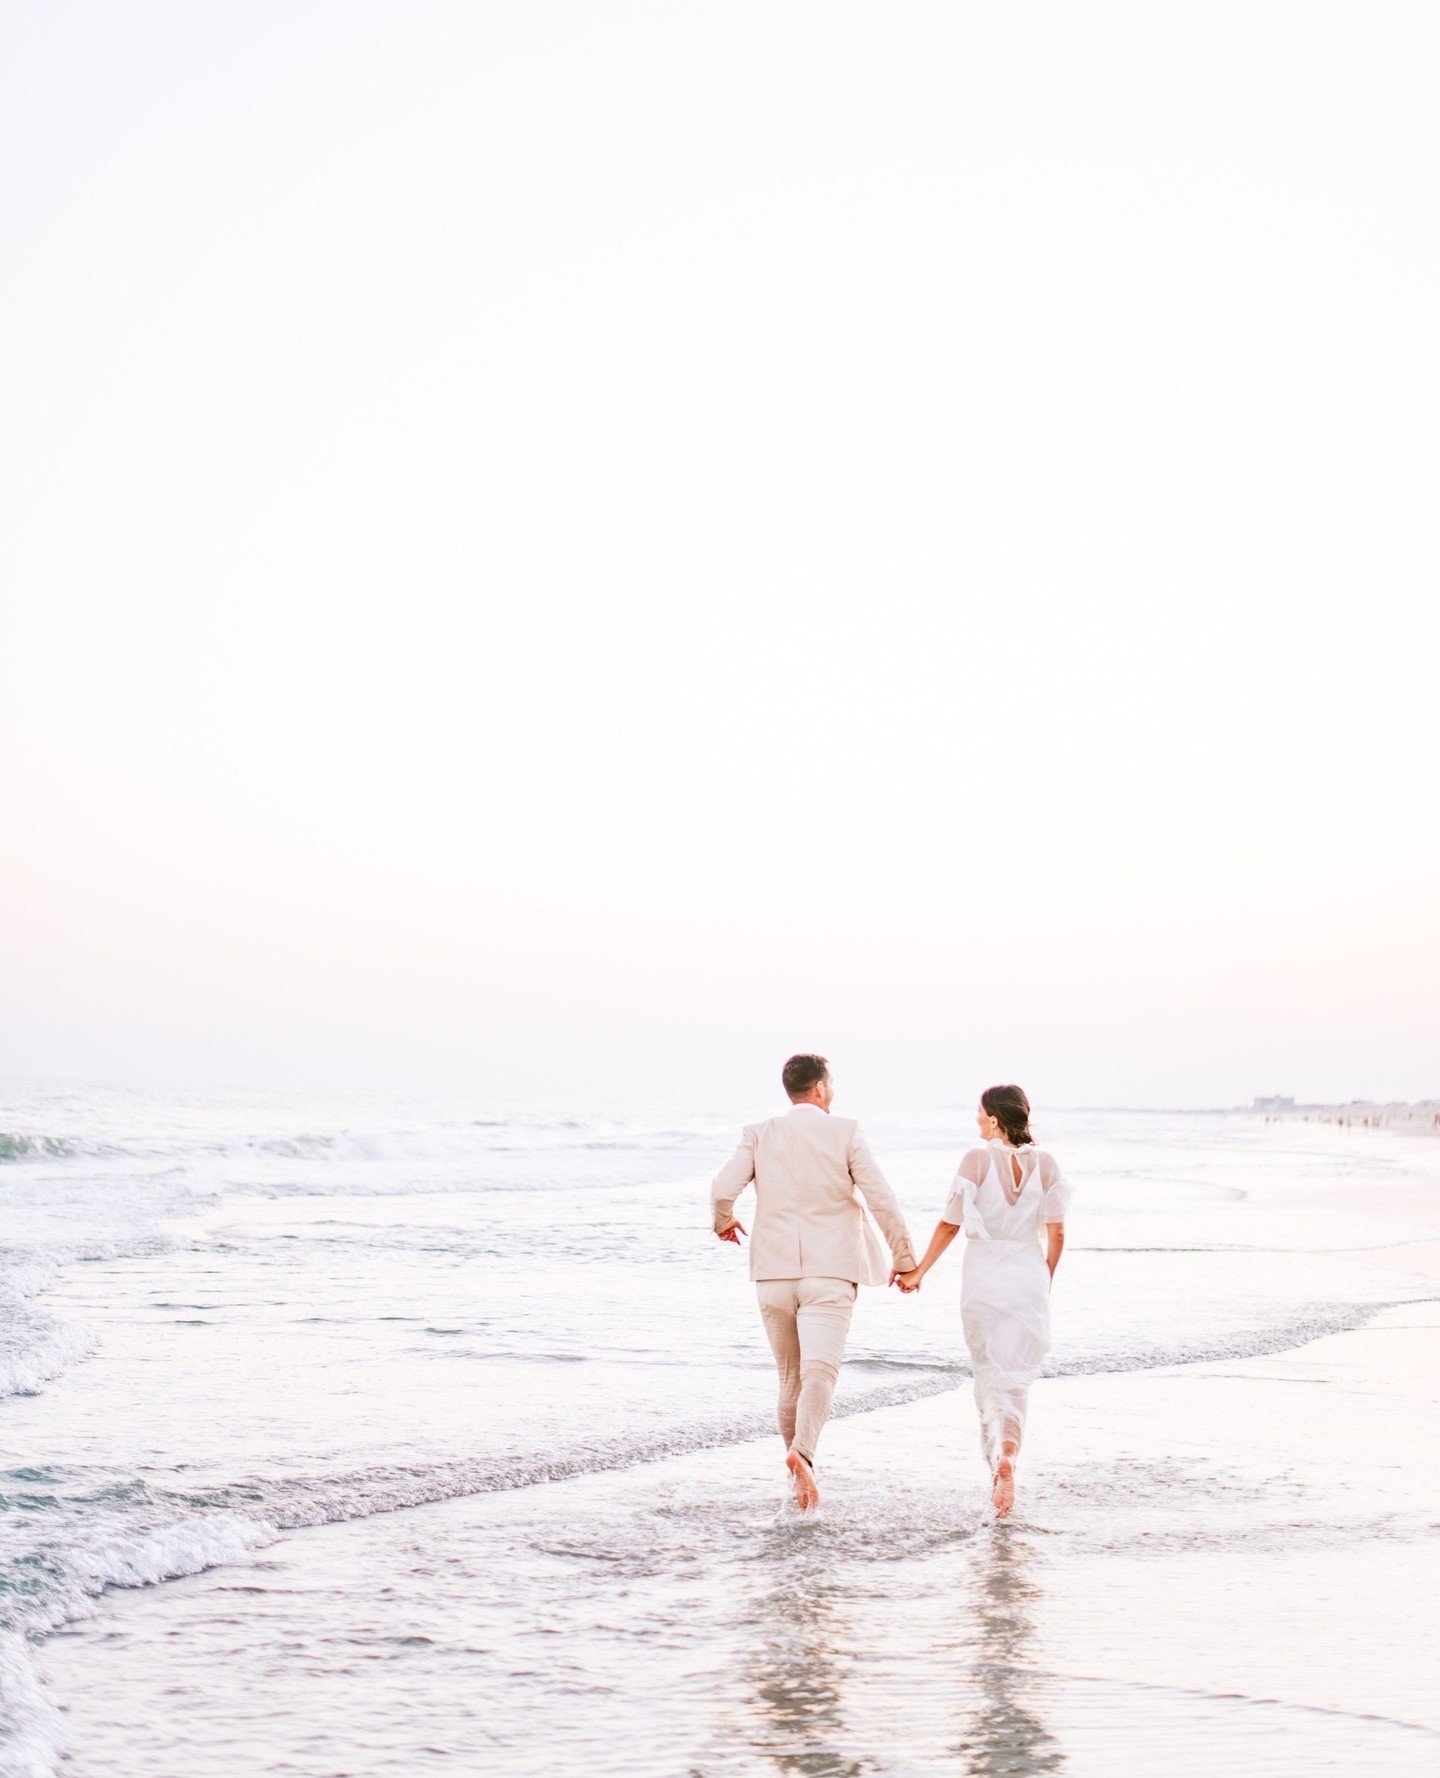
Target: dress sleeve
961 1208
1057 1190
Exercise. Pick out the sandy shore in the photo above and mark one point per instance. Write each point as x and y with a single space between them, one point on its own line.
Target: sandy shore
1231 1562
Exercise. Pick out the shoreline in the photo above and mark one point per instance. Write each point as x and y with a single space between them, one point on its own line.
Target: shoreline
1419 1117
1296 1480
899 1625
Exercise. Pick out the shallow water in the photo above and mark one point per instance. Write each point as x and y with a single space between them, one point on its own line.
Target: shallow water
308 1313
667 1620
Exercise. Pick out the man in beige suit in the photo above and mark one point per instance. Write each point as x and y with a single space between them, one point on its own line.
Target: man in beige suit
814 1176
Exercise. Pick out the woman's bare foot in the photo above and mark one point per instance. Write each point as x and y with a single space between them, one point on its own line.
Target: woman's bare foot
1003 1493
806 1493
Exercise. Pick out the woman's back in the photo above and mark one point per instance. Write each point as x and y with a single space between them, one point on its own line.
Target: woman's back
1002 1193
1005 1193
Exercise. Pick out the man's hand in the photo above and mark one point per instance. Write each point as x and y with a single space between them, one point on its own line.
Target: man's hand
910 1281
733 1233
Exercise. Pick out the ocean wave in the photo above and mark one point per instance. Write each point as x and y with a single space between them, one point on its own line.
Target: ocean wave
152 1533
54 1585
1299 1329
17 1146
34 1740
34 1345
206 1526
476 1138
44 1348
168 1551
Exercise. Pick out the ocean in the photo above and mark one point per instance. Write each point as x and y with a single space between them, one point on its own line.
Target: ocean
234 1327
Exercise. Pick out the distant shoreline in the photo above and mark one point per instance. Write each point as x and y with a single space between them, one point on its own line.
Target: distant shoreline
1418 1118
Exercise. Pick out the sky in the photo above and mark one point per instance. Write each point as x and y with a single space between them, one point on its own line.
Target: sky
574 550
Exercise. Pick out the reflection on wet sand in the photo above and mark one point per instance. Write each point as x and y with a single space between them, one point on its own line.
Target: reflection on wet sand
834 1681
801 1656
1005 1736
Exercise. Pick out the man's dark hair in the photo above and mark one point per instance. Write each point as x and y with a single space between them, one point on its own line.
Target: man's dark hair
801 1073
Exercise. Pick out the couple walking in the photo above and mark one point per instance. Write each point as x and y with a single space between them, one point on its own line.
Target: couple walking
813 1245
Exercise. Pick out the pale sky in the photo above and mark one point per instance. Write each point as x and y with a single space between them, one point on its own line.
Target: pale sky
581 548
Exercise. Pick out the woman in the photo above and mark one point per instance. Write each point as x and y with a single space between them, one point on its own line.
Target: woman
1002 1194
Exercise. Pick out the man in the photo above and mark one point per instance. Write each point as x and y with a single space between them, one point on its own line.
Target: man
812 1246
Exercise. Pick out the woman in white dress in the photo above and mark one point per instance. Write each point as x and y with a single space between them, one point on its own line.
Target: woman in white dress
1004 1193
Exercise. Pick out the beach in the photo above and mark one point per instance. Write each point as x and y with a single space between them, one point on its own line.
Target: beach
1420 1117
579 578
1226 1545
1208 1566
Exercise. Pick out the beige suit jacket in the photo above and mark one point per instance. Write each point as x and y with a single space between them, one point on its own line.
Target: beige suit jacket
813 1175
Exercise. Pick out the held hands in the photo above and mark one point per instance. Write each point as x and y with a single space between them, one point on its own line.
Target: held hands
733 1233
910 1281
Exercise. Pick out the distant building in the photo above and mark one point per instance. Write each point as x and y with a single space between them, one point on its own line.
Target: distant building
1274 1103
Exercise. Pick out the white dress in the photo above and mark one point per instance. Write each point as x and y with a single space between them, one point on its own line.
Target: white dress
1005 1289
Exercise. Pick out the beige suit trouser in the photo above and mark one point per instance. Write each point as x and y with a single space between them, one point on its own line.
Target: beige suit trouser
807 1320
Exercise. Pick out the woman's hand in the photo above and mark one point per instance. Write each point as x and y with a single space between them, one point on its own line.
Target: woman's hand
909 1281
733 1233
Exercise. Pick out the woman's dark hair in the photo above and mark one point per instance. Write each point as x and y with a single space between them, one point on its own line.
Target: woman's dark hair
1011 1110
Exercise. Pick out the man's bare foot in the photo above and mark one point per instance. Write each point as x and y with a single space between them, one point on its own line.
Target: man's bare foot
806 1493
1003 1493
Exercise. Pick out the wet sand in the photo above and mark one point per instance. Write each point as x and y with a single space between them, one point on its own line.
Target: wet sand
1232 1563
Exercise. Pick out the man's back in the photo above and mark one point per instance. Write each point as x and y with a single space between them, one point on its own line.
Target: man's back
812 1246
810 1172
